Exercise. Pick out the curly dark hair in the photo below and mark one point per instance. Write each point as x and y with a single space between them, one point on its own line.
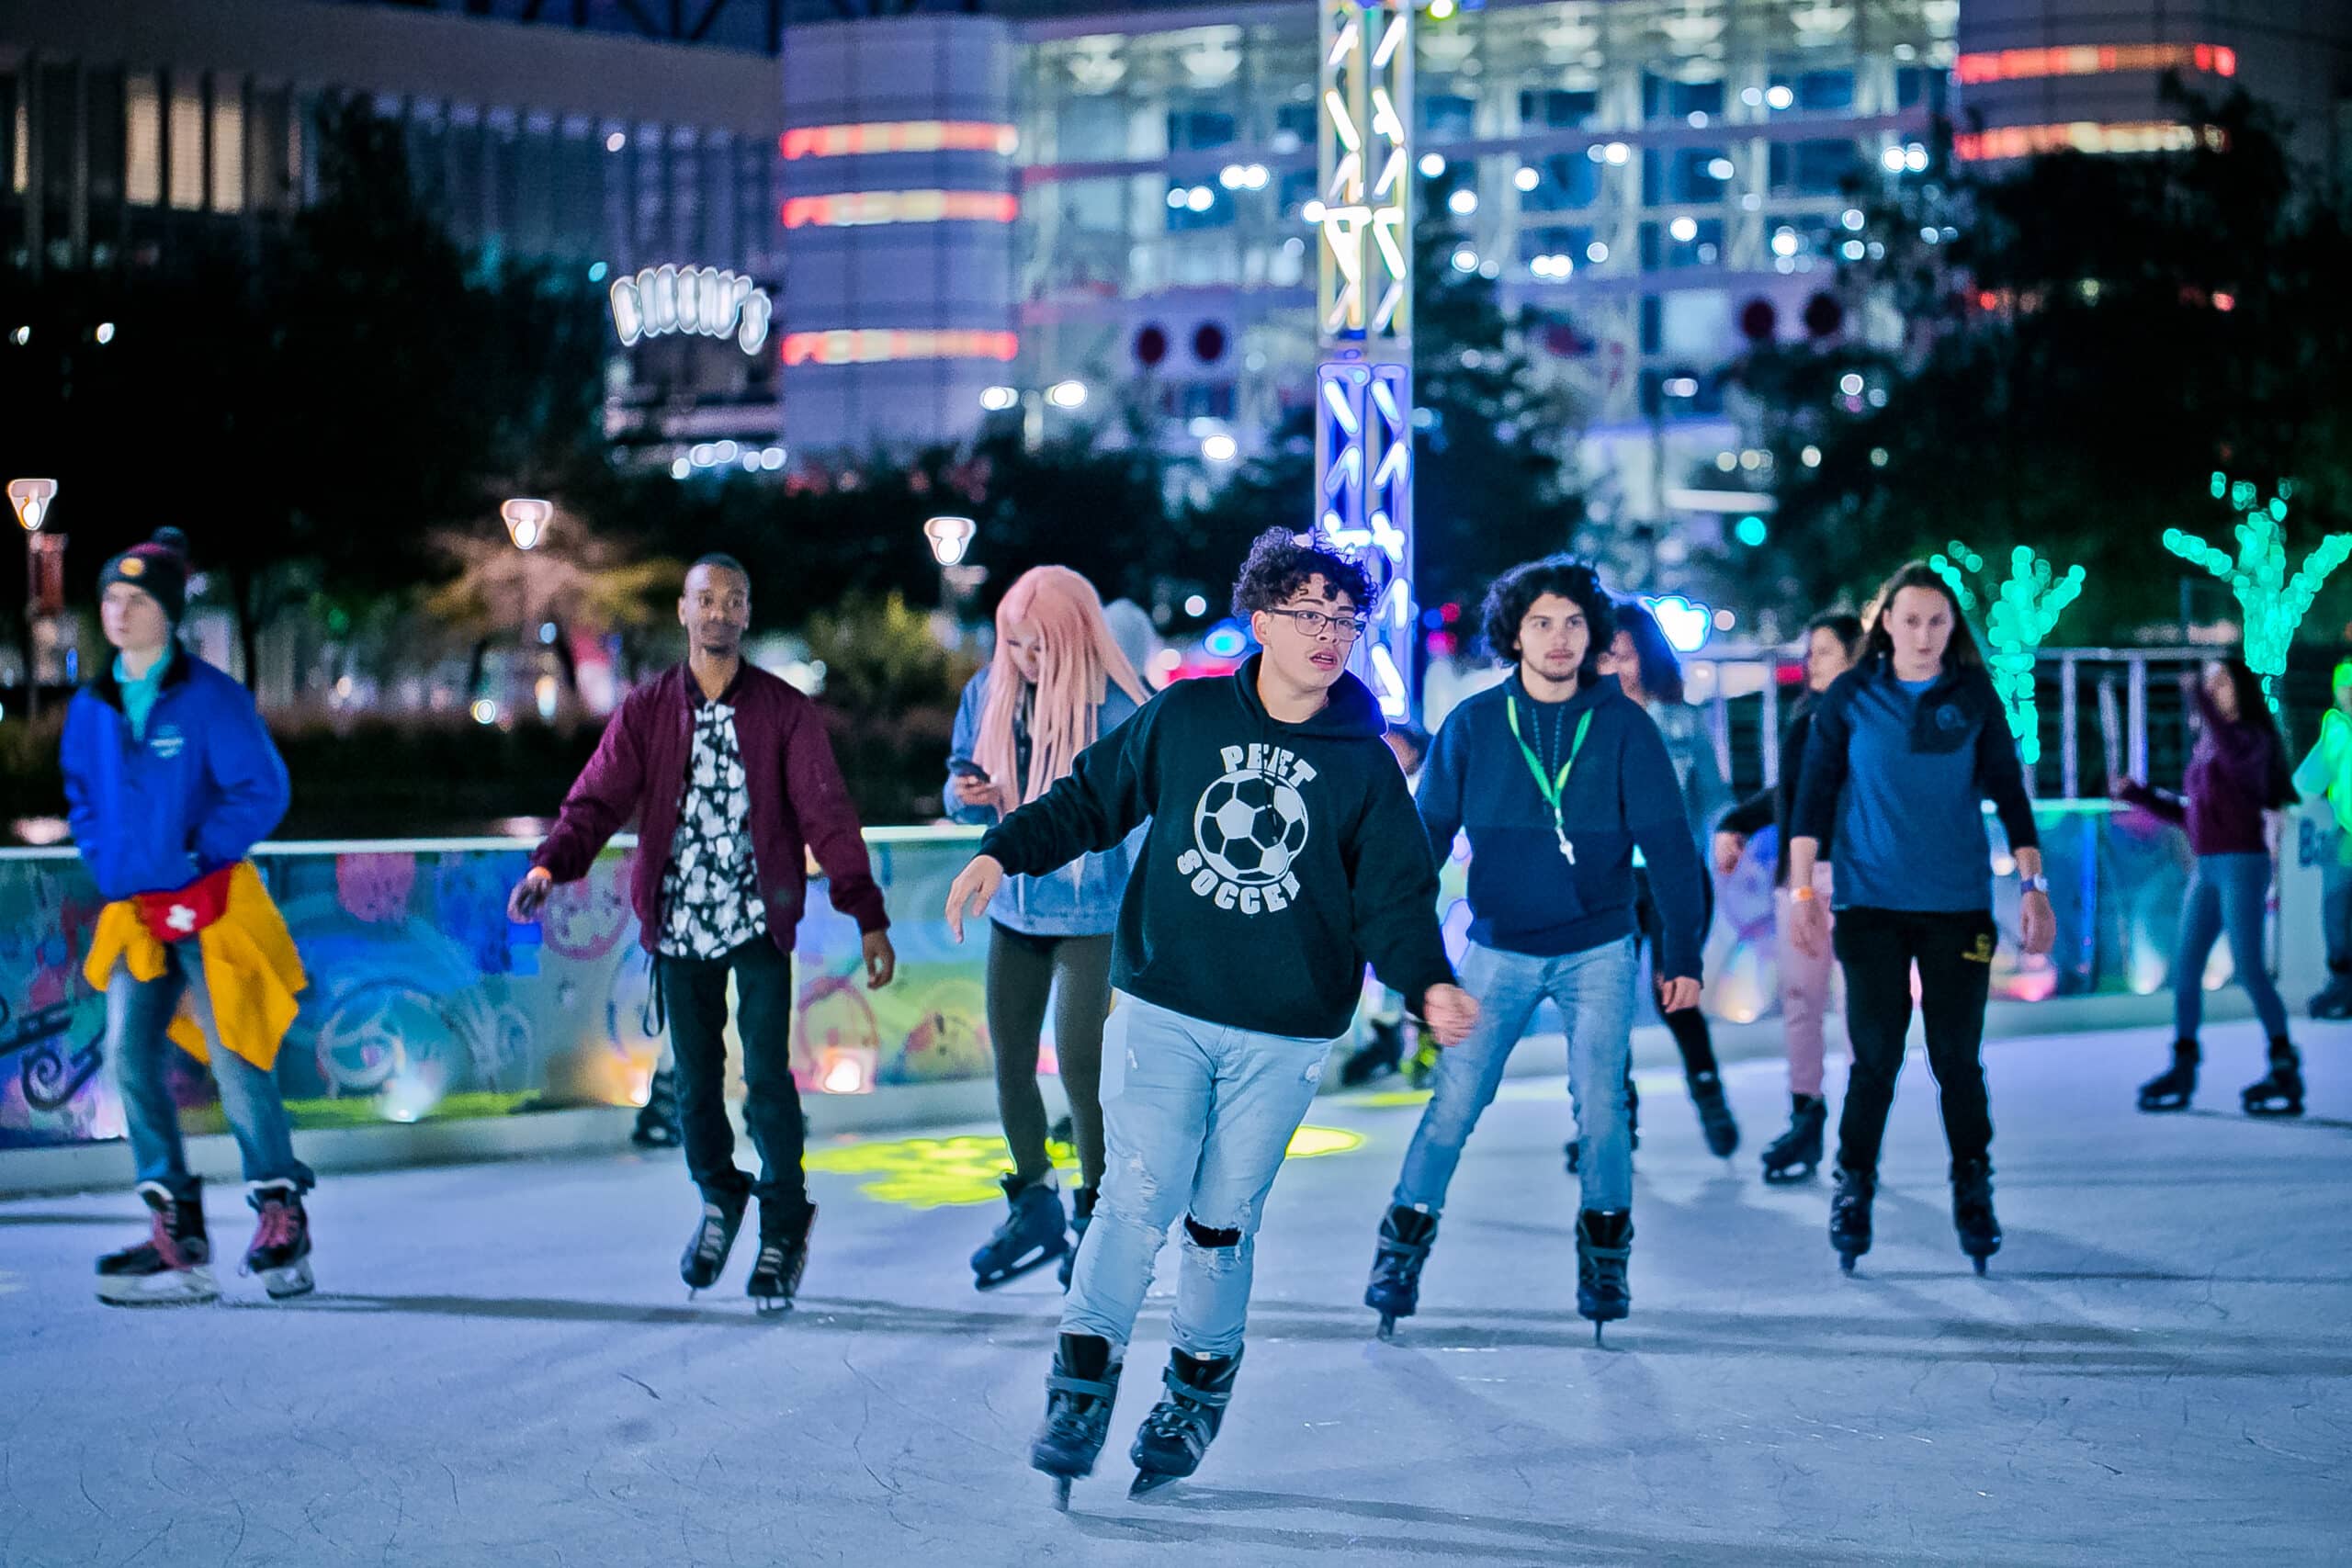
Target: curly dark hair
1280 565
1515 592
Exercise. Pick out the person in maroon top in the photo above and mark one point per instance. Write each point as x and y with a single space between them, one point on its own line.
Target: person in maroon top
732 782
2237 773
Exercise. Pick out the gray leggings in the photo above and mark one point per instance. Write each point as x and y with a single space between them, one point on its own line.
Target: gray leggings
1022 974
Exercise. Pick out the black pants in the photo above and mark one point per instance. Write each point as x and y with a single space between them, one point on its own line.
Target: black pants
694 994
1954 953
1023 972
1689 1026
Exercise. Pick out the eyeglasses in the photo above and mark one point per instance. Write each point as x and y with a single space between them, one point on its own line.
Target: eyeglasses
1343 629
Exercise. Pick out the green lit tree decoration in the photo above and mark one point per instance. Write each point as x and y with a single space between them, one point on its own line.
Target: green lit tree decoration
2025 605
2274 604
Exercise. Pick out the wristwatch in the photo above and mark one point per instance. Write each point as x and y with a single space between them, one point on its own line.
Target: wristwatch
2034 884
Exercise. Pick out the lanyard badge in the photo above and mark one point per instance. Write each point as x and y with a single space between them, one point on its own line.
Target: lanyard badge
1553 789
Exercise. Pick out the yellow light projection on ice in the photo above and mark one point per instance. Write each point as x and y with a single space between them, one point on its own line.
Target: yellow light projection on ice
934 1173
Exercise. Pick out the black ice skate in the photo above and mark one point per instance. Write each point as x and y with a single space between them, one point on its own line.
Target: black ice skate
1081 1214
1796 1155
1715 1113
1170 1444
1971 1209
714 1238
2172 1088
1850 1215
783 1255
656 1119
172 1267
280 1252
1376 1057
1395 1289
2282 1093
1604 1242
1078 1395
1032 1236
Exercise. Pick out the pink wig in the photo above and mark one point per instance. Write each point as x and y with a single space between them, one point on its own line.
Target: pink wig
1078 659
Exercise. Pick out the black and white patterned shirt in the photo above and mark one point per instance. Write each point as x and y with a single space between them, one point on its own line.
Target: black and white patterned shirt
710 894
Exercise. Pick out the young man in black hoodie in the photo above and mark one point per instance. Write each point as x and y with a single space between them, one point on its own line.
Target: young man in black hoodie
1559 778
1283 849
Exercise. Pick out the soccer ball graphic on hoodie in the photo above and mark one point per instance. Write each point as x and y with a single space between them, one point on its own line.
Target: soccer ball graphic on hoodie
1250 828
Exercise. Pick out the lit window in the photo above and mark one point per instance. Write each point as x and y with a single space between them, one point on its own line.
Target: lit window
2084 136
858 208
143 131
228 150
847 346
899 136
188 149
2096 59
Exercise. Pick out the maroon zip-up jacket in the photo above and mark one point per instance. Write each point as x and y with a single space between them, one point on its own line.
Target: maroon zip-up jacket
798 802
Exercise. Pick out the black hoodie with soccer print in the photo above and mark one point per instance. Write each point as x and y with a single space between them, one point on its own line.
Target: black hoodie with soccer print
1280 856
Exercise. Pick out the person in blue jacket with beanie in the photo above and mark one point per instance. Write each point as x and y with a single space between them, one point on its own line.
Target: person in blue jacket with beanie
170 780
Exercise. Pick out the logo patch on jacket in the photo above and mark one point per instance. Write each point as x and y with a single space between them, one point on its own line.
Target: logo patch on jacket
167 742
1948 719
1249 828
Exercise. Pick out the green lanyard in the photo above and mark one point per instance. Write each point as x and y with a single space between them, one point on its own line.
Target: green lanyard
1552 789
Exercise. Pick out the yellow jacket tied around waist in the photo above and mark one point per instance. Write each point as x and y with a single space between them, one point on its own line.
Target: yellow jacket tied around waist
252 973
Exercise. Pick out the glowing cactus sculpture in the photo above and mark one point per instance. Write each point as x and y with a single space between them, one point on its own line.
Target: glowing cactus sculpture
2024 607
2274 604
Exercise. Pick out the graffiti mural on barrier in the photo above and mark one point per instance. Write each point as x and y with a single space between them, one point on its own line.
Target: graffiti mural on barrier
426 1001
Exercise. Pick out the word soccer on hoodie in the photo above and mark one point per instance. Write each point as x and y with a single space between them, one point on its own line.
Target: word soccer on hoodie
1279 857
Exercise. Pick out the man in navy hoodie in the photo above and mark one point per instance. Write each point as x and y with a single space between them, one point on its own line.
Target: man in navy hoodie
1559 778
1282 849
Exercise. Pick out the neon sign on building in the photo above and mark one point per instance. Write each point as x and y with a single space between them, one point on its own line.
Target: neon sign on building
880 346
703 301
899 136
2095 60
858 208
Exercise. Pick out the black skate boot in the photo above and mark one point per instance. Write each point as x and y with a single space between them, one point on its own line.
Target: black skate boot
1376 1057
1032 1236
2172 1088
1604 1241
1850 1215
1971 1209
783 1254
1395 1288
2334 1000
1078 1395
280 1252
1715 1113
2280 1094
1081 1214
705 1254
1169 1443
656 1119
172 1265
1796 1155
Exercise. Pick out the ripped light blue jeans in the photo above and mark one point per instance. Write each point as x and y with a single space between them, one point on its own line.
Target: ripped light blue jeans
1196 1118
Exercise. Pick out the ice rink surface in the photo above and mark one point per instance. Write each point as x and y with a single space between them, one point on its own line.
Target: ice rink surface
501 1368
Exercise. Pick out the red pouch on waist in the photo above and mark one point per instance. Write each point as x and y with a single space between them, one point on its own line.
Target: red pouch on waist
176 917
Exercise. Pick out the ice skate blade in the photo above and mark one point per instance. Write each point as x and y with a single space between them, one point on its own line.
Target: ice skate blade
1006 1276
2165 1102
1598 1342
1787 1174
1148 1482
1846 1261
285 1285
771 1307
1980 1263
194 1288
1061 1493
1388 1330
2280 1111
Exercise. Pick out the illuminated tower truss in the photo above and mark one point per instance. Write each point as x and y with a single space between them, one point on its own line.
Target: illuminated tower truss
1363 298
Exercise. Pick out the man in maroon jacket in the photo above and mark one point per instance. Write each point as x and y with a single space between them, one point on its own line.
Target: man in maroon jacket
732 782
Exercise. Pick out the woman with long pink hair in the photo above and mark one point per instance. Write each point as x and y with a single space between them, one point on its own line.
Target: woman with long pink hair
1056 685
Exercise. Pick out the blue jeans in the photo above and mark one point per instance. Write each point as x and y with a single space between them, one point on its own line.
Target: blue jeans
2225 893
1196 1119
1594 990
2336 914
137 1014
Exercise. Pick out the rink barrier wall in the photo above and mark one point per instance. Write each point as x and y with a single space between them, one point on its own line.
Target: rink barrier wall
435 1030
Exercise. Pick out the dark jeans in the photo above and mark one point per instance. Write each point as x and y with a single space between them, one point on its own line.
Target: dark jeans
693 995
1954 953
1688 1027
1024 971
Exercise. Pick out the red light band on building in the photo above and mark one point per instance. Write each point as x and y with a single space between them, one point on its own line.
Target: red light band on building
2084 136
860 207
899 136
875 347
2096 59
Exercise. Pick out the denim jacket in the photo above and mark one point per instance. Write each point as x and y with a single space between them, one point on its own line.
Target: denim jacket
1083 897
